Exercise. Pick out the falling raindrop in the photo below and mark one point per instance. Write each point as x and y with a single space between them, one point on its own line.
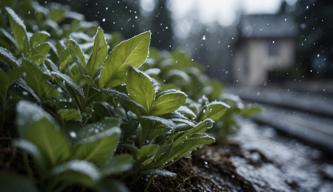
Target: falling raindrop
204 37
103 20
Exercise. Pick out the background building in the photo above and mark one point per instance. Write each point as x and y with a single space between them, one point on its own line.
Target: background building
265 47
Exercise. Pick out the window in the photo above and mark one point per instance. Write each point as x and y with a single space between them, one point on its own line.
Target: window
273 48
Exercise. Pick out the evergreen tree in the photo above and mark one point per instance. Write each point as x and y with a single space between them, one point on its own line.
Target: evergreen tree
315 40
161 26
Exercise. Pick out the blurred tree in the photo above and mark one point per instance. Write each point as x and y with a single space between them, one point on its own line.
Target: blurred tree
315 40
161 26
113 15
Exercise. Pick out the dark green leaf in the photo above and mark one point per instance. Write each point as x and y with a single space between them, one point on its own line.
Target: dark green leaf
117 164
77 172
97 142
11 182
38 127
147 153
32 150
37 80
69 82
7 57
18 28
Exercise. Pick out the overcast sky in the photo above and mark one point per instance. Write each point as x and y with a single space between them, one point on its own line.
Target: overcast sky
223 11
208 11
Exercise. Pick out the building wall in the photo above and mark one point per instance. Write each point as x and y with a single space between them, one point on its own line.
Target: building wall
254 58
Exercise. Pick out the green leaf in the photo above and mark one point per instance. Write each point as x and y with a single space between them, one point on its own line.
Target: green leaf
37 80
168 102
40 53
69 82
201 127
140 88
147 152
126 101
97 142
76 51
19 30
32 150
108 185
38 127
117 164
69 114
11 182
165 122
38 38
99 52
133 51
214 110
250 110
6 80
77 172
7 57
187 146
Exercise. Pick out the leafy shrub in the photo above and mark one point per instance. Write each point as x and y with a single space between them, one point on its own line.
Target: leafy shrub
82 109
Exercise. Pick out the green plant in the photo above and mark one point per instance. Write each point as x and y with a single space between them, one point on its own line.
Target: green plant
86 112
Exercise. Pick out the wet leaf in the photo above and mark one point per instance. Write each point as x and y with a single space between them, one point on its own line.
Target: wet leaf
19 30
133 51
99 52
38 127
140 88
214 110
168 102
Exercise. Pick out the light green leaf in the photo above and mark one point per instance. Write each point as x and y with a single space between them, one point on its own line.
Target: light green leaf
38 38
168 102
19 30
214 110
40 53
69 114
140 88
133 51
99 52
11 182
250 110
76 51
38 127
97 142
117 164
77 172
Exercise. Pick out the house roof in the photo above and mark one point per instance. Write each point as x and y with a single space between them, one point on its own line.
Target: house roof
266 26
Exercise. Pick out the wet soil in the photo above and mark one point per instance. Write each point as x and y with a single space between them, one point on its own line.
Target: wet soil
257 158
